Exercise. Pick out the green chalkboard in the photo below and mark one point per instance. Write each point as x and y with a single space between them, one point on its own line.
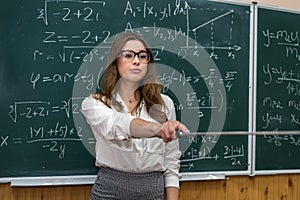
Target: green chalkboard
278 89
53 53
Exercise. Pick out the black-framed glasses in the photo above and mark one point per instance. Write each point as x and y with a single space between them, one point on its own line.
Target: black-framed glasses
128 55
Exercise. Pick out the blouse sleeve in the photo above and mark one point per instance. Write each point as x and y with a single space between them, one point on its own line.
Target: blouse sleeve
106 121
172 152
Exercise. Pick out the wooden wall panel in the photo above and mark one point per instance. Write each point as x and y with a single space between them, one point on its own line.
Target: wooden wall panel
45 193
271 187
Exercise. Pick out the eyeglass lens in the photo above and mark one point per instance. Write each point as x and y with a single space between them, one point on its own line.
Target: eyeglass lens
130 55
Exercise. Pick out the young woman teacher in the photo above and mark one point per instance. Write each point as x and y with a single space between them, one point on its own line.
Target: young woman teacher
137 151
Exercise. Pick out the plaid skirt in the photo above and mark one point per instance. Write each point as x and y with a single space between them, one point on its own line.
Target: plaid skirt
117 185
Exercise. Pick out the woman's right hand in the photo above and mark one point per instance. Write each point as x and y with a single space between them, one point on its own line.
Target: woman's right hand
169 128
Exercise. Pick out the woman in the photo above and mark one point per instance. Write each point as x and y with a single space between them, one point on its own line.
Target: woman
135 128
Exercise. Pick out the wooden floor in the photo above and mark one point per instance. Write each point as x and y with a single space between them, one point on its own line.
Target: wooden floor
273 187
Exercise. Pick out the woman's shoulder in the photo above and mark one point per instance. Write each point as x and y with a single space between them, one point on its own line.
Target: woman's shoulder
90 100
94 100
170 109
95 97
165 97
168 101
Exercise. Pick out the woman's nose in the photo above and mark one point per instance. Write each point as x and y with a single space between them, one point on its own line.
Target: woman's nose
136 59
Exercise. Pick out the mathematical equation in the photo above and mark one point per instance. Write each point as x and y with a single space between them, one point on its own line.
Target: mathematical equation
54 139
211 78
287 39
281 75
87 78
43 109
279 118
84 11
204 151
281 140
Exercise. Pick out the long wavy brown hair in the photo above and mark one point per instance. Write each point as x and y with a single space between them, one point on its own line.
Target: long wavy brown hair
149 87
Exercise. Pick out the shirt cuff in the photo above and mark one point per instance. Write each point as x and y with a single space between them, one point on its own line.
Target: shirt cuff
172 181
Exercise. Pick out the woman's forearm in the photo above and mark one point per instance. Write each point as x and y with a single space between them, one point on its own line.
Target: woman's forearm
140 128
172 193
144 129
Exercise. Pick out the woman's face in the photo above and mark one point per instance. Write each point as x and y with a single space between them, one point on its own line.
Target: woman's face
132 67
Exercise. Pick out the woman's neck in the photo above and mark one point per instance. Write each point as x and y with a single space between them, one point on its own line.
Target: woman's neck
129 93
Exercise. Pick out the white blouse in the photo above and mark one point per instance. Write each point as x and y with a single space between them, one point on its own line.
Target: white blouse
116 149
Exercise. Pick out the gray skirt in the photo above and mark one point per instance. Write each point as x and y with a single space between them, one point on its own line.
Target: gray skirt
112 184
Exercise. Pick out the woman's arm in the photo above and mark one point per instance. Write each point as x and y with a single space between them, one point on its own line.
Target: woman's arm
115 125
105 121
172 193
167 131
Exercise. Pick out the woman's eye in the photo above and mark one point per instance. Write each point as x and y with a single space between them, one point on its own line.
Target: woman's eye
128 55
143 56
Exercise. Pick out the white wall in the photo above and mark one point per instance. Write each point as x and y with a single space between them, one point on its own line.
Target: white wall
289 4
